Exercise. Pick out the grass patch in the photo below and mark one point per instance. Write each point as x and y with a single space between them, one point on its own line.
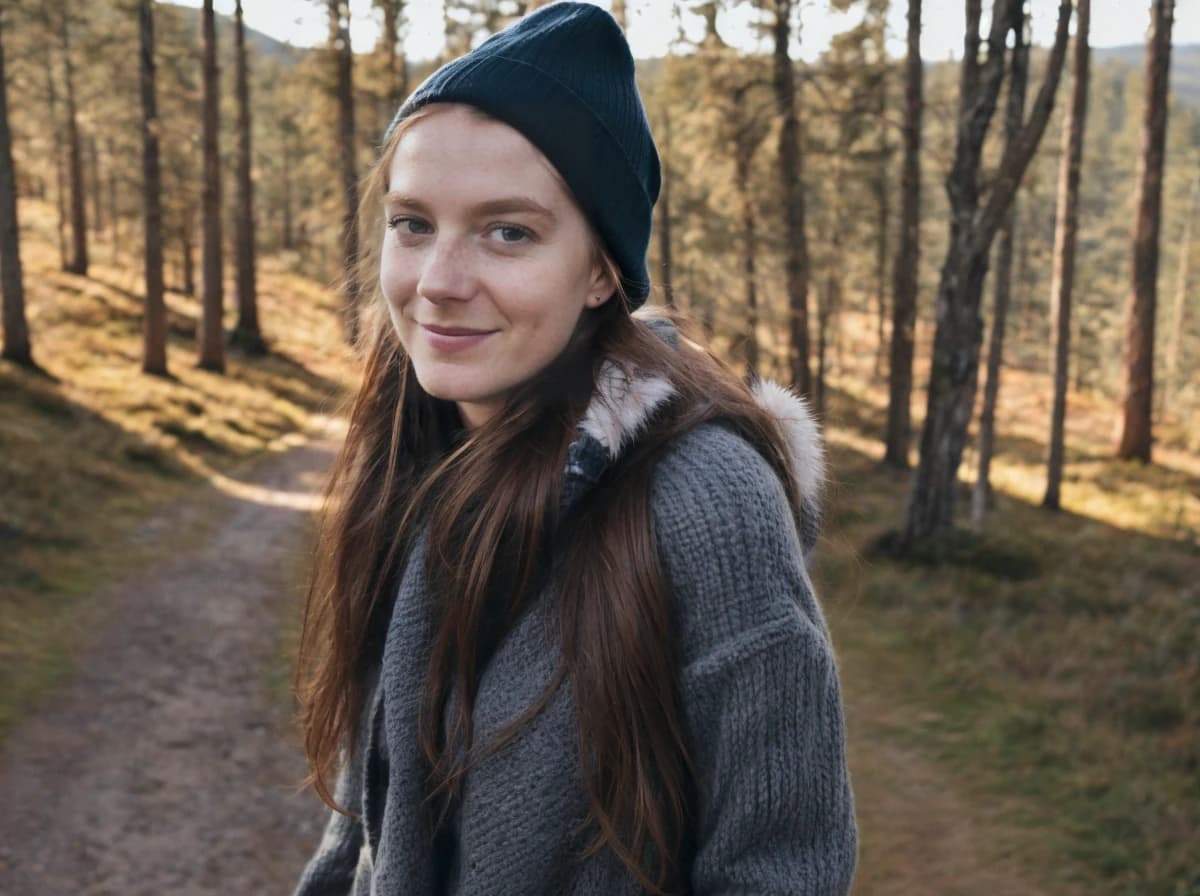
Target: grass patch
1051 663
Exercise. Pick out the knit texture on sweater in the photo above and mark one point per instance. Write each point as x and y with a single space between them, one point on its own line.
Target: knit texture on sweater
774 812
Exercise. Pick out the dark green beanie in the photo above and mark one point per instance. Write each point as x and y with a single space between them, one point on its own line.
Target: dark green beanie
563 76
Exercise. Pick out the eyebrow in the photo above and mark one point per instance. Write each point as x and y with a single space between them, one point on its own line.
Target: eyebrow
501 206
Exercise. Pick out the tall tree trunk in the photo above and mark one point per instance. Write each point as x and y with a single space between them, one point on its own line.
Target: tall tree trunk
1182 279
883 194
1065 230
1002 289
906 268
1135 439
664 213
287 230
93 155
791 183
79 247
749 257
339 41
973 225
12 285
246 334
60 175
187 250
114 216
212 342
396 63
154 323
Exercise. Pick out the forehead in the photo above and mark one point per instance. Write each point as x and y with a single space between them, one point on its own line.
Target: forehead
454 150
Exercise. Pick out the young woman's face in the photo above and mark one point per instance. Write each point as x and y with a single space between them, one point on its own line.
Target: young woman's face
487 262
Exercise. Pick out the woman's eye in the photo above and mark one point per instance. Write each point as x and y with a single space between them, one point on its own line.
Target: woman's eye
408 224
511 233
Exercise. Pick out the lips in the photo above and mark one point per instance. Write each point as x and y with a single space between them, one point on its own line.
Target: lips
454 339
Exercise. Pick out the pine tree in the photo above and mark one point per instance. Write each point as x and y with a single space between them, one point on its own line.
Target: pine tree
212 341
154 325
16 328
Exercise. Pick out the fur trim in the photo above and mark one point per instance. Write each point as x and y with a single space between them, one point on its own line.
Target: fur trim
622 405
803 435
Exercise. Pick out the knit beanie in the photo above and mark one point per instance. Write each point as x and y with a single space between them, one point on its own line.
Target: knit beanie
563 76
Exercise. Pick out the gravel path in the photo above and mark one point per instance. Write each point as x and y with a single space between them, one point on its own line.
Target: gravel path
166 766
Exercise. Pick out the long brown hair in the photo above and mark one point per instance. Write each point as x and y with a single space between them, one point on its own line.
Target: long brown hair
492 495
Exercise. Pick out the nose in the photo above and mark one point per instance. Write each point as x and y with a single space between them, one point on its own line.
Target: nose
446 274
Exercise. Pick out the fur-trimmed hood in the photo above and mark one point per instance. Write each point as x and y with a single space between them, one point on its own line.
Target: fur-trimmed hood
624 404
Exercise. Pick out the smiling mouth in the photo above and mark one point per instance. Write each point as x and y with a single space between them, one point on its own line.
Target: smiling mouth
455 331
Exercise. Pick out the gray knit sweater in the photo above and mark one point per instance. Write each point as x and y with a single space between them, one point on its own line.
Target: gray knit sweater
773 812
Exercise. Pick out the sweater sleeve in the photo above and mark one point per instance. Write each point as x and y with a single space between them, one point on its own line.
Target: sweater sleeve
774 812
334 866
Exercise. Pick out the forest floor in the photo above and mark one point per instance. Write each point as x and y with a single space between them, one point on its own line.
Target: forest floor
1023 719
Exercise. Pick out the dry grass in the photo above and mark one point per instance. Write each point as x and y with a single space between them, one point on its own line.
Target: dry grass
90 446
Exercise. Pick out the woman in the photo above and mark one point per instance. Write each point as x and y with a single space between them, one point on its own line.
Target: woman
560 637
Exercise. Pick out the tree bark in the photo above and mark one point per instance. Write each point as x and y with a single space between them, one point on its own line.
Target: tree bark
905 270
246 334
959 331
79 246
791 183
749 258
212 342
1136 432
16 328
1063 278
154 322
339 41
60 177
397 64
1002 289
186 233
664 214
93 157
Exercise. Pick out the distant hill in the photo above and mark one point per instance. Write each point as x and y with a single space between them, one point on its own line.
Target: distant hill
257 43
1185 66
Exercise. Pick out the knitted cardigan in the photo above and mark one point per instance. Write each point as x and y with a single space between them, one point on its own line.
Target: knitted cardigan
773 811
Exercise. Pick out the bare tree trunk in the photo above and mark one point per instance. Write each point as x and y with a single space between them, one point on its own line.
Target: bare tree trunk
1002 290
79 247
154 325
959 333
1182 278
397 64
187 250
1065 231
114 217
1135 439
16 328
883 194
212 342
287 234
906 268
246 334
664 213
791 183
93 154
339 41
60 176
749 253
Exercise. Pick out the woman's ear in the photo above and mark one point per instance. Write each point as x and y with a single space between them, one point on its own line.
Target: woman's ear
603 284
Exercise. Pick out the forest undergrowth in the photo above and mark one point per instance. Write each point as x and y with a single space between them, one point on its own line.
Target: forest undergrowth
1050 662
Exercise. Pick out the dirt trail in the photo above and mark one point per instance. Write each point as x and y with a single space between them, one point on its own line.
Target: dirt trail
166 765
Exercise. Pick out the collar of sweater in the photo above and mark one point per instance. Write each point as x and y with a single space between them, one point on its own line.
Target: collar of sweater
625 402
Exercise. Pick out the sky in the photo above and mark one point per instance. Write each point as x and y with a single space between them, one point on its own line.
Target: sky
1114 23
